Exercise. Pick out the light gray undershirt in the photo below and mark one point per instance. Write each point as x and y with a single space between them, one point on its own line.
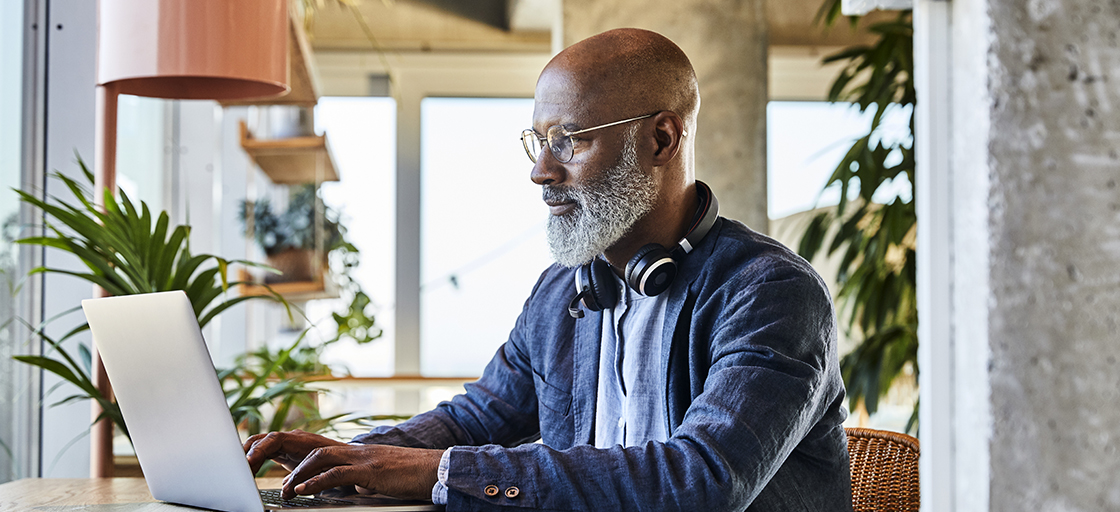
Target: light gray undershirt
630 401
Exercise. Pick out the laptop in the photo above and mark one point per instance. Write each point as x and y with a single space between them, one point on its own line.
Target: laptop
185 439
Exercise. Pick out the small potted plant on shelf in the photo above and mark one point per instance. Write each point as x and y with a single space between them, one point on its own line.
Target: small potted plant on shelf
288 238
288 241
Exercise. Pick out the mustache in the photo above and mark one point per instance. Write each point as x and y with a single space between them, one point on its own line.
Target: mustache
556 193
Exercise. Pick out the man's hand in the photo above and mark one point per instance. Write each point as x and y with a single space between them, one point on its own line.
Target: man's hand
408 473
285 448
318 464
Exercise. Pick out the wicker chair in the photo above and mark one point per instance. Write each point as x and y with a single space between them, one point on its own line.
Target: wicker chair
884 471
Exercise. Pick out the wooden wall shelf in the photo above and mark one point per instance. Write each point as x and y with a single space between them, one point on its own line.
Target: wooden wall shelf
302 76
293 292
291 161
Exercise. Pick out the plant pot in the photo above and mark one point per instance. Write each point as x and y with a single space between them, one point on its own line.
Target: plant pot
284 121
296 265
296 418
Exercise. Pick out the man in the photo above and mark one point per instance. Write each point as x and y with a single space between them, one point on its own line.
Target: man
722 393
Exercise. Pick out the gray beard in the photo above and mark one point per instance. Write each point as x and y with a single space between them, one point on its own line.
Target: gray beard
606 208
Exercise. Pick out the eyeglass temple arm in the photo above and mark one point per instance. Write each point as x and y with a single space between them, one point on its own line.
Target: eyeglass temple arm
608 125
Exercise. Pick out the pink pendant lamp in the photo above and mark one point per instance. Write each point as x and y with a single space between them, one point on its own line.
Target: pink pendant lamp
177 49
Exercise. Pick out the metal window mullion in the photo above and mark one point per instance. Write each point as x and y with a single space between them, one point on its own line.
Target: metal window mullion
27 453
933 75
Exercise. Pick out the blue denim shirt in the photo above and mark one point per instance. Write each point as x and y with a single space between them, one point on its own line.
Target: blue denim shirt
754 398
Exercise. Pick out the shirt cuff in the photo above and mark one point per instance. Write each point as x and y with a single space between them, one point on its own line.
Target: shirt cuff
439 490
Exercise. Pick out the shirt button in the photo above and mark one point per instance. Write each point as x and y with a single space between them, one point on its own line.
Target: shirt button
621 422
491 490
512 492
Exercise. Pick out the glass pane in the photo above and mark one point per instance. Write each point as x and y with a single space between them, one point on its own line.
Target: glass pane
482 230
11 129
362 134
805 142
143 149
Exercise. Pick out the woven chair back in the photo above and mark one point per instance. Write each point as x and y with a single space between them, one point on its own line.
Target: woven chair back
884 470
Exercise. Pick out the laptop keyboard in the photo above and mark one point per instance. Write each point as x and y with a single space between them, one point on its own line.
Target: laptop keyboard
272 497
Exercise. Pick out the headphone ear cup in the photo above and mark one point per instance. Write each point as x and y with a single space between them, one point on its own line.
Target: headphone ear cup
651 270
604 290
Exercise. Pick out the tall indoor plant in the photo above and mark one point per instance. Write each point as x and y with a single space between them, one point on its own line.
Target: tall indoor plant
877 274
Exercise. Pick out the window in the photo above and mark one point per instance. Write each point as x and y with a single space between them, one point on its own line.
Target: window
143 149
11 92
362 133
805 141
482 230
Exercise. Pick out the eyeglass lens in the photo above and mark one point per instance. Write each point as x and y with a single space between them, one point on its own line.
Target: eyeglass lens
560 143
532 144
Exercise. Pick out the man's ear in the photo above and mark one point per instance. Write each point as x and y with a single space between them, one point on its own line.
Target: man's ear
667 133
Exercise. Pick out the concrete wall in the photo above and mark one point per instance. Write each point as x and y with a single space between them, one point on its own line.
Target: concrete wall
1019 204
1055 255
726 42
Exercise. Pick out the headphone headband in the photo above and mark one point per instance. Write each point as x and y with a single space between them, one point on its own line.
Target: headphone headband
705 219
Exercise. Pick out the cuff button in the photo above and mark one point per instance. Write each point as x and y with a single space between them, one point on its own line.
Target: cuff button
491 490
512 492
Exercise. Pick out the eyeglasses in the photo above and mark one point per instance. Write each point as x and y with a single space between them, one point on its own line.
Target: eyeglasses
559 139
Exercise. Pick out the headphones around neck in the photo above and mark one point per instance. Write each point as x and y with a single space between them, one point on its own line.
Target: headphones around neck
650 271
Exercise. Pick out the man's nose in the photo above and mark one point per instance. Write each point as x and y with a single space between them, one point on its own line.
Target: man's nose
547 171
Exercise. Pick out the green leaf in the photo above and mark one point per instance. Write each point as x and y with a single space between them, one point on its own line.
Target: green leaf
60 370
78 191
46 241
849 53
85 170
165 262
205 297
222 271
156 245
86 357
186 268
200 287
69 399
217 310
101 281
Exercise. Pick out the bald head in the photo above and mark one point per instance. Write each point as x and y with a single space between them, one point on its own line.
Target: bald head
628 96
624 73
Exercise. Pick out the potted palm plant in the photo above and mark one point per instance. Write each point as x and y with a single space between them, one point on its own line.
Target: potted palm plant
128 250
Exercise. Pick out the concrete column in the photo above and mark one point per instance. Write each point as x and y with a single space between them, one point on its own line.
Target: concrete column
1055 246
1025 375
726 42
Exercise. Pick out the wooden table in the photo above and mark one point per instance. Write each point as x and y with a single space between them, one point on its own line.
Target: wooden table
88 495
